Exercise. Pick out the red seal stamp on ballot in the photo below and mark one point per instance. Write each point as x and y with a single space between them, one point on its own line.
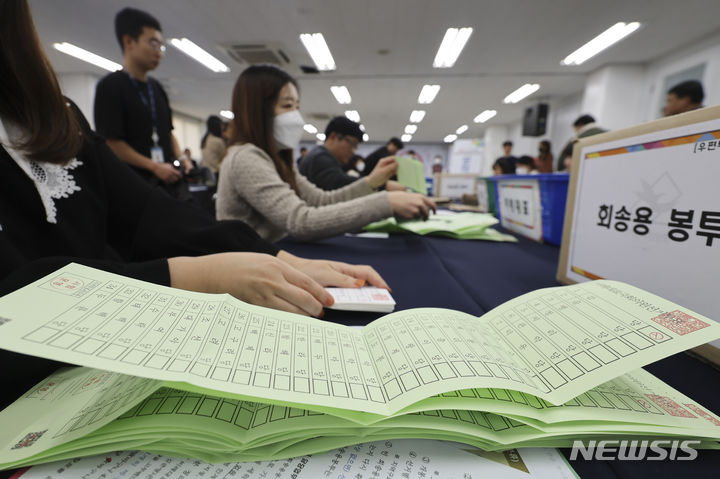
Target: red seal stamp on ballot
679 322
670 406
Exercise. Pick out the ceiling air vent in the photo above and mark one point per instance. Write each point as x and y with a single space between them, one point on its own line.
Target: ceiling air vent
252 53
318 116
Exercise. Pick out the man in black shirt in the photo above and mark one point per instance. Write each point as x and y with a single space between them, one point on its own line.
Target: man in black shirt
393 146
132 110
323 165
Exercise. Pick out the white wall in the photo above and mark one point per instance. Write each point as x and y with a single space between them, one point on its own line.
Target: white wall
619 96
188 131
614 95
80 88
707 52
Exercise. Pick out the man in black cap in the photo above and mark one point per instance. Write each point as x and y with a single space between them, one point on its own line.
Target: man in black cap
323 166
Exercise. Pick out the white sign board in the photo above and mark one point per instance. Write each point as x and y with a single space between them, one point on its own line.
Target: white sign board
466 156
454 186
647 211
520 208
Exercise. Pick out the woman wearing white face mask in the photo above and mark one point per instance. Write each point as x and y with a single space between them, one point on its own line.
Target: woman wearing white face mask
260 185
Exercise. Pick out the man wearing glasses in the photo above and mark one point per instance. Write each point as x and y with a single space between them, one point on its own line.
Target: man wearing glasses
132 110
324 164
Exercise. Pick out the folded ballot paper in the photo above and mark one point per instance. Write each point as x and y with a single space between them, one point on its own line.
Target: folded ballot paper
466 226
371 299
212 378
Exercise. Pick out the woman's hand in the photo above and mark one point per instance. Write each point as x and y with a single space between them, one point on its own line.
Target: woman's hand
255 278
411 205
382 172
335 273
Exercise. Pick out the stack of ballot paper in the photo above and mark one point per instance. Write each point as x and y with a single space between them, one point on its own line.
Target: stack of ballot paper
415 458
210 377
466 225
411 174
371 299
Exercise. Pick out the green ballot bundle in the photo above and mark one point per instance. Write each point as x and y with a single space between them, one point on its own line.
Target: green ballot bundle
411 174
83 411
466 226
528 364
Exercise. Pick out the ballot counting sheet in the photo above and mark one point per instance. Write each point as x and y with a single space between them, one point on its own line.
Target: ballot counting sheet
554 343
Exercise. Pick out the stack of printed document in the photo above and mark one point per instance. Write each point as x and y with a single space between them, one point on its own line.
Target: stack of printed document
371 299
475 226
210 377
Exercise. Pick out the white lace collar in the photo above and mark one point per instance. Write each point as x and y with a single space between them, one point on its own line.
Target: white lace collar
51 181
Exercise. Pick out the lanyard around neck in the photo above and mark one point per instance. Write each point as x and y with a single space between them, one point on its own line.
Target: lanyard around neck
149 104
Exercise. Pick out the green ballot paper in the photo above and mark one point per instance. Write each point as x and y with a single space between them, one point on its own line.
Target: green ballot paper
452 225
550 365
411 174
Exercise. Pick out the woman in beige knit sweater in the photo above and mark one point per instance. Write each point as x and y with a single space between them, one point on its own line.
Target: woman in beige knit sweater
260 185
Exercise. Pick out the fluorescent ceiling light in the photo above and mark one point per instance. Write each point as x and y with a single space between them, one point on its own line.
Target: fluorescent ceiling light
522 92
199 55
451 46
417 116
410 129
366 137
607 38
227 114
450 138
86 56
353 115
485 116
318 50
341 93
310 128
461 130
362 127
320 136
406 138
428 93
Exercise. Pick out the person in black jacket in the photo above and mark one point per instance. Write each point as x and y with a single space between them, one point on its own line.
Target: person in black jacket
65 197
391 148
324 165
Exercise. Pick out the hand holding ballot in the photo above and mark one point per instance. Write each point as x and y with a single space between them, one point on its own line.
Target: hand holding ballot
383 171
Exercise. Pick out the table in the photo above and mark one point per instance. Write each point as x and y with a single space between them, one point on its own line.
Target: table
474 277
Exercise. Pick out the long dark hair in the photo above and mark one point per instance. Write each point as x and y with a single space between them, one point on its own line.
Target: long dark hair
30 95
253 102
214 127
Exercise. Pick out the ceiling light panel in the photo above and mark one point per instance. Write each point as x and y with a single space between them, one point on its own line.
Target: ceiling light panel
410 129
406 138
428 94
353 115
310 128
607 38
227 114
450 138
461 130
341 94
451 46
318 50
521 93
417 116
86 56
485 116
199 55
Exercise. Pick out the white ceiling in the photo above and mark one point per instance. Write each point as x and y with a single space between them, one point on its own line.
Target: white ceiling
514 42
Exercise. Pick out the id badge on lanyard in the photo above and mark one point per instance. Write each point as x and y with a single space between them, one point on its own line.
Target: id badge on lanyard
156 152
